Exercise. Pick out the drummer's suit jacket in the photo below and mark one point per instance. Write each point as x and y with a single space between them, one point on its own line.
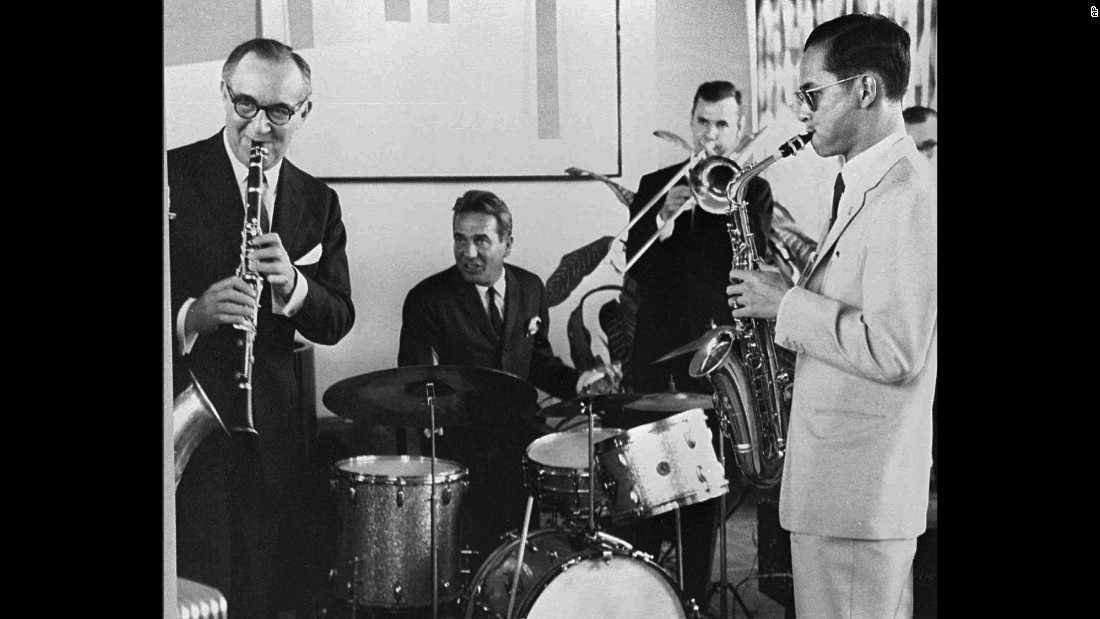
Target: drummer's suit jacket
863 322
443 313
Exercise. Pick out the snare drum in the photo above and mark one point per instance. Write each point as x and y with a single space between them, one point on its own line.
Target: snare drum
555 471
567 575
384 556
659 466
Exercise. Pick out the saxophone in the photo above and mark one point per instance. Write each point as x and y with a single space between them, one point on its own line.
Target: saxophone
740 363
252 229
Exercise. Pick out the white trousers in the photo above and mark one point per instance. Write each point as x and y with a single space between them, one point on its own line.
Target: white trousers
841 578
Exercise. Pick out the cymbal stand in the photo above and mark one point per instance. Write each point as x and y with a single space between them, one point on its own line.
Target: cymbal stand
724 584
724 568
679 550
586 406
430 394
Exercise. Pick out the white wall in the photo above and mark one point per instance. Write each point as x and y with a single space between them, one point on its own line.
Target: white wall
399 232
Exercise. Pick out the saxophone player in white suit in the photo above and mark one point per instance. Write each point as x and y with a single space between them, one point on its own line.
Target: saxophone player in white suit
863 322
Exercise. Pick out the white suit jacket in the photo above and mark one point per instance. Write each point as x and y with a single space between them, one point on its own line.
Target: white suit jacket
863 322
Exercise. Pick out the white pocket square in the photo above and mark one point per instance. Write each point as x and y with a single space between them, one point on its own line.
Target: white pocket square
311 257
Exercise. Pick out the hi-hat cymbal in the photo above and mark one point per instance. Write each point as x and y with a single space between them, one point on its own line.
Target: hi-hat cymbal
600 403
670 402
464 395
694 345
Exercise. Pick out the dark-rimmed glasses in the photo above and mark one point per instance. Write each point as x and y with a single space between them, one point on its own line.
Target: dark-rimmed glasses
804 94
247 108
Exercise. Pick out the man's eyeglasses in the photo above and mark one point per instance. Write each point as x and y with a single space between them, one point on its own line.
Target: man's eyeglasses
804 95
247 108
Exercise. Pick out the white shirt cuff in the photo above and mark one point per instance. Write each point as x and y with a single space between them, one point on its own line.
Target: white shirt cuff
291 307
186 343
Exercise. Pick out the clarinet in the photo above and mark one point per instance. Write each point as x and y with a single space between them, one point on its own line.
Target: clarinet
246 342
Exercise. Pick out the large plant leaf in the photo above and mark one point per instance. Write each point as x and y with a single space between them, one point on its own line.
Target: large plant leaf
573 268
624 195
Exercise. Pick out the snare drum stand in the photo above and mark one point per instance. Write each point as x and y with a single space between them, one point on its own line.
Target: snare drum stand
586 408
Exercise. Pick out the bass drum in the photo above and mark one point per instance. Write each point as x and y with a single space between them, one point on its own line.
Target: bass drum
568 575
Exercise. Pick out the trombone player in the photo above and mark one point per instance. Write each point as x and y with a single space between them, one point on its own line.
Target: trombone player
681 279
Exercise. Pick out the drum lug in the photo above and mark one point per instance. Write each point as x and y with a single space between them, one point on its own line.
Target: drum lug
398 593
702 477
690 441
400 492
446 496
351 494
606 555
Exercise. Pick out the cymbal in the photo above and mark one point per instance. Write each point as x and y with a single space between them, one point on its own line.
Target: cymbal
600 402
464 395
694 345
670 402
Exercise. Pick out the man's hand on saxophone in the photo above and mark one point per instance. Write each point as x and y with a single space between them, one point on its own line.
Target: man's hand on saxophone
225 302
757 293
269 259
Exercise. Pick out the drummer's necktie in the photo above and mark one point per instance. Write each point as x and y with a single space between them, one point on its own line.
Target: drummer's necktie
494 314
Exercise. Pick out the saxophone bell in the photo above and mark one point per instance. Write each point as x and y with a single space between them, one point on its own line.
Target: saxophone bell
193 418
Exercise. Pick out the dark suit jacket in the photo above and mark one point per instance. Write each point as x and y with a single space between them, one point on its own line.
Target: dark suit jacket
444 313
260 476
682 280
205 243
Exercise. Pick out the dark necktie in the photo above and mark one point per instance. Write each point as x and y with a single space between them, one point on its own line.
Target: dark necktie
838 189
494 314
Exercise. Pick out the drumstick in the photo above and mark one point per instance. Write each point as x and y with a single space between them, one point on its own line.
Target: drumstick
519 560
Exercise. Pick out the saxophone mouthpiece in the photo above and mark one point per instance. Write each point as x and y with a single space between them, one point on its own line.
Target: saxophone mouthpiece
795 144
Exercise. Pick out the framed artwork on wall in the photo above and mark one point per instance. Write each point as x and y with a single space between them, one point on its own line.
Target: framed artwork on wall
408 89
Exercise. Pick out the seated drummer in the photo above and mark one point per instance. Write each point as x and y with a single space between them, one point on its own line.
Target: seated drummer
484 313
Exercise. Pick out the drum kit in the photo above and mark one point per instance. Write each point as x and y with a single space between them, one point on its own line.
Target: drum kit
398 546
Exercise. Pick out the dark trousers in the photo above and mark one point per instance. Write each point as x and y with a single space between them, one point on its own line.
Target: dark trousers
221 531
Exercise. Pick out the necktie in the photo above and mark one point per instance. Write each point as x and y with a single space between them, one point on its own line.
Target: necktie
494 314
265 221
838 189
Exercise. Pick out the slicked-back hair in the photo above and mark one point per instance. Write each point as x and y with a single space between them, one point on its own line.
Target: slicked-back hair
486 202
713 92
862 42
917 114
266 49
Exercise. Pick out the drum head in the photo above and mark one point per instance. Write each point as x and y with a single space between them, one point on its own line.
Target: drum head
567 449
410 469
622 587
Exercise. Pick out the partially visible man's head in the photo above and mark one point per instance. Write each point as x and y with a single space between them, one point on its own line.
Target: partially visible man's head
267 74
716 118
852 67
482 227
921 123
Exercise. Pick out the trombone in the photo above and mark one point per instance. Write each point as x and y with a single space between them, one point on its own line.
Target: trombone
708 178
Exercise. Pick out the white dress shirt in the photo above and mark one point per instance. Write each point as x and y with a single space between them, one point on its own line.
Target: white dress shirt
858 174
499 286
